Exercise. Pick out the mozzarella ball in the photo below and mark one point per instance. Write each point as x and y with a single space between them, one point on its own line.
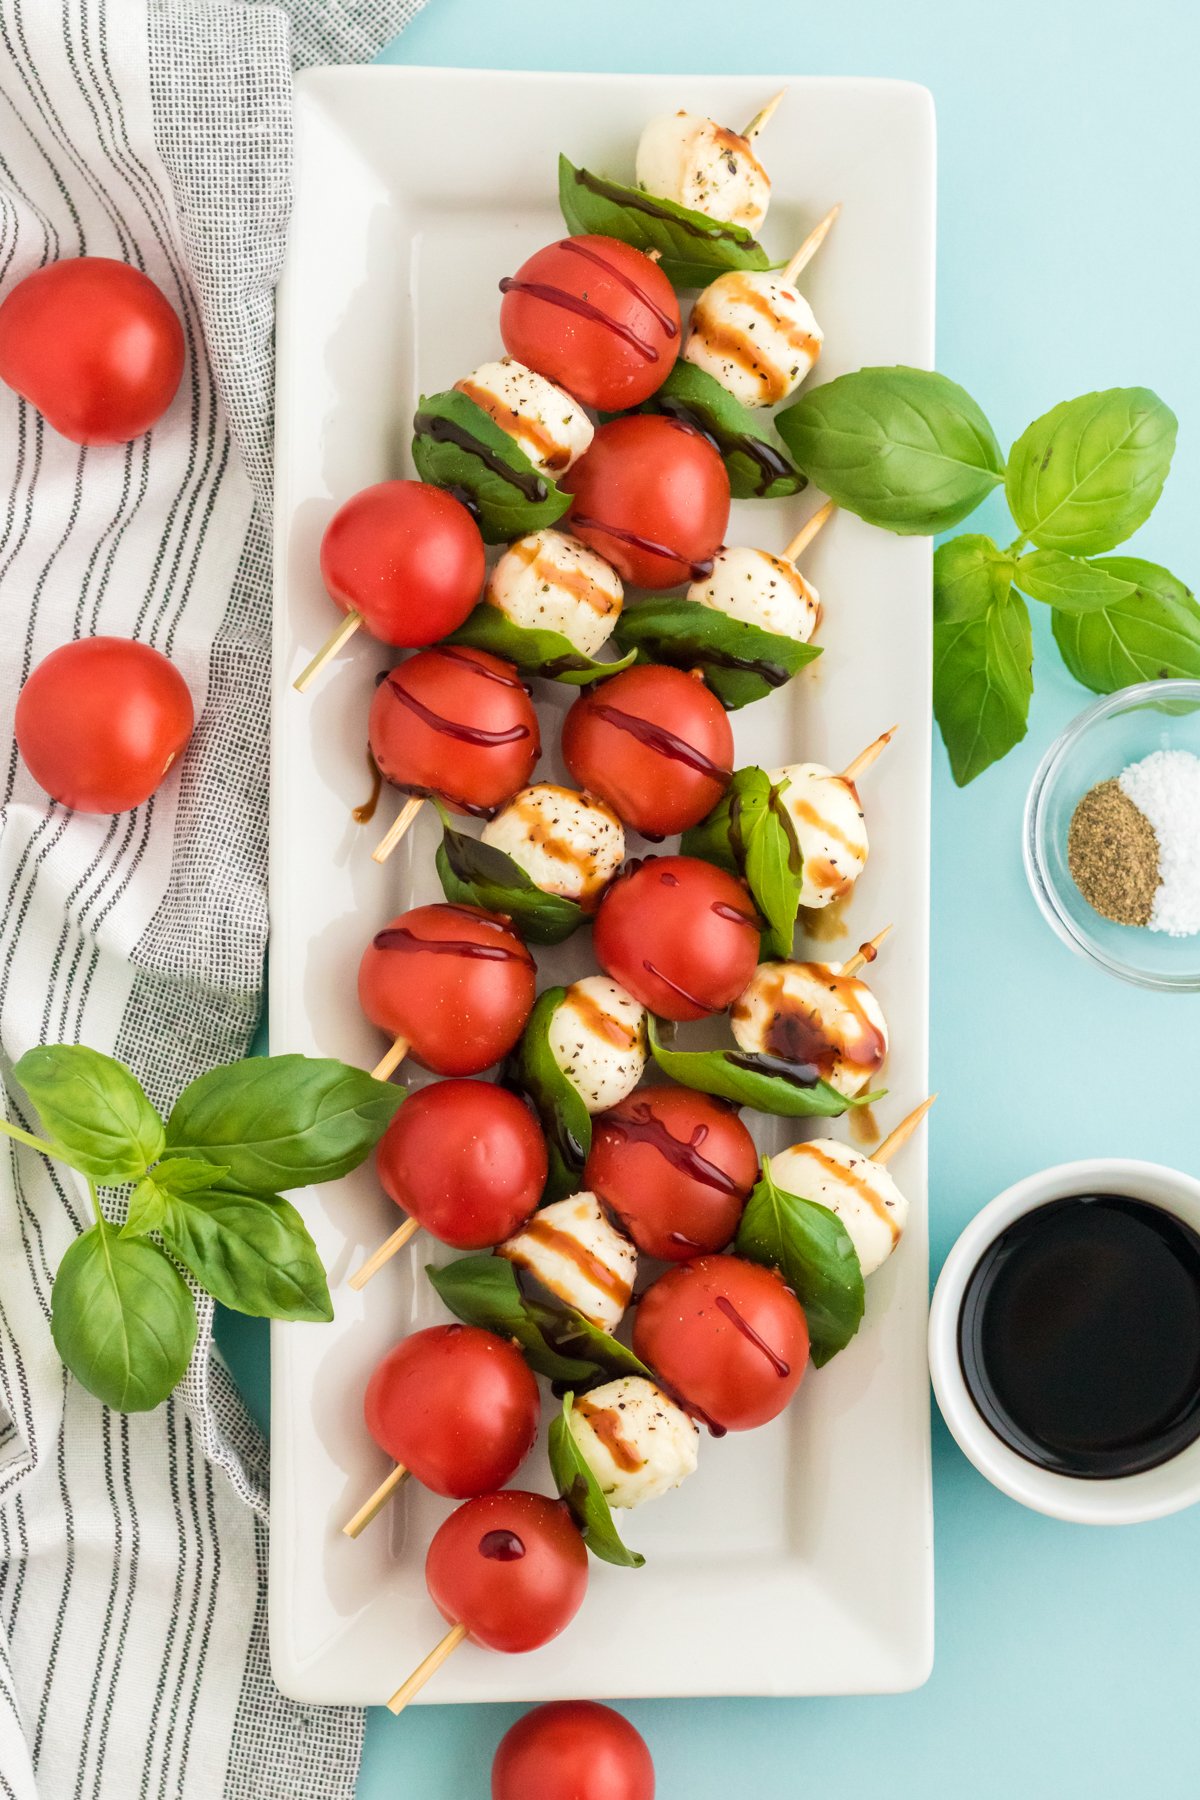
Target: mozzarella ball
566 843
548 581
759 589
637 1443
550 427
807 1014
846 1182
827 816
700 164
578 1255
597 1037
755 333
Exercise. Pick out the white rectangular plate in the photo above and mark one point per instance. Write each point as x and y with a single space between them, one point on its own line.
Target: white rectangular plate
798 1560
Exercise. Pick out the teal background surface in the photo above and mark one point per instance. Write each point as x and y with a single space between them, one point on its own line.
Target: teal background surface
1069 141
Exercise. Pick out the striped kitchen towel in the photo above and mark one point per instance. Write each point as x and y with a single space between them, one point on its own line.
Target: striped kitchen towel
133 1652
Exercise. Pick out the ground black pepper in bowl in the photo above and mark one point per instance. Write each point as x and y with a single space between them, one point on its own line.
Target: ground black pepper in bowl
1112 852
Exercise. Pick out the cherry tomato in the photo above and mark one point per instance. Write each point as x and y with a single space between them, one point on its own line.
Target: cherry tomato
456 723
100 721
95 345
654 743
407 557
453 981
675 1167
511 1567
727 1337
651 495
457 1407
466 1160
572 1750
679 935
596 316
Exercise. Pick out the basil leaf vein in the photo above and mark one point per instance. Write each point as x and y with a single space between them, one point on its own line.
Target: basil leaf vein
122 1319
93 1109
762 1082
1152 634
982 685
1085 475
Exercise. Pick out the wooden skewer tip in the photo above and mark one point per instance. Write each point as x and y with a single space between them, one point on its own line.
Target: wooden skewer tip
328 650
763 116
387 1065
384 1253
811 244
808 531
896 1140
433 1662
862 762
397 829
376 1503
866 954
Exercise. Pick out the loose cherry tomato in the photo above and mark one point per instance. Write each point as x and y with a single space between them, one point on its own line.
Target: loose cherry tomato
100 721
679 935
675 1167
95 345
727 1337
651 495
457 723
453 981
594 315
511 1567
654 743
457 1407
407 557
572 1750
466 1160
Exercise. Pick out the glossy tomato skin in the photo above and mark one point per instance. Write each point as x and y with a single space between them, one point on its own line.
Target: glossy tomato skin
466 1159
511 1567
572 1750
679 935
458 723
458 1407
596 316
100 721
453 981
654 743
726 1337
675 1167
406 556
95 345
651 495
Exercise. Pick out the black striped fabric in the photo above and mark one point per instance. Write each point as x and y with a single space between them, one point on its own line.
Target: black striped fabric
133 1645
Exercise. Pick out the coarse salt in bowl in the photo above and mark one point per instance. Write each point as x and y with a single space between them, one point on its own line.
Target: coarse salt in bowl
1141 730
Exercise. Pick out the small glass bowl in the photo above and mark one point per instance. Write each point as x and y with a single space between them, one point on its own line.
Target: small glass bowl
1117 730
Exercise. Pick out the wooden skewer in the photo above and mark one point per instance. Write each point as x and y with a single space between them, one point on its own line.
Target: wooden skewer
384 1253
866 953
399 826
430 1666
376 1503
761 117
895 1140
811 245
389 1063
330 648
809 530
865 758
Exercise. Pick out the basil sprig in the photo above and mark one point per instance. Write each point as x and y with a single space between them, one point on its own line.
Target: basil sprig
201 1193
758 466
812 1250
740 662
533 650
473 873
584 1497
555 1341
692 247
982 656
457 445
750 833
565 1120
766 1083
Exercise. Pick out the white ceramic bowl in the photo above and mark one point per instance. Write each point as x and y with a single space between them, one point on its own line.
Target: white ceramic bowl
1127 1499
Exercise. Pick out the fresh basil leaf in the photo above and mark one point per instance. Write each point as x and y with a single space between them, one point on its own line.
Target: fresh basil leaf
693 248
147 1208
251 1253
473 873
458 445
484 1291
765 1083
750 833
904 448
982 685
756 462
572 1335
1152 634
556 1100
93 1110
969 575
535 652
122 1319
740 662
584 1497
1084 476
1069 583
812 1250
276 1122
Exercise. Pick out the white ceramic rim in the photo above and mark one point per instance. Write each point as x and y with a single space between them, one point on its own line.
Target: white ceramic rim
1129 1499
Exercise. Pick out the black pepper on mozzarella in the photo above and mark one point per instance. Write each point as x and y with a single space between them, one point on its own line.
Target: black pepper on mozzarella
550 427
754 333
597 1036
575 1251
636 1441
549 581
812 1015
693 161
830 829
857 1189
567 843
759 589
